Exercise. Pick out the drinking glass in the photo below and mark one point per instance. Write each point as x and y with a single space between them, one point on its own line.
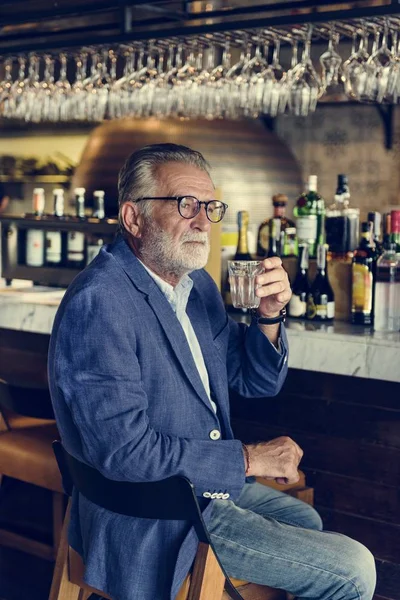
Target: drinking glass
305 84
242 276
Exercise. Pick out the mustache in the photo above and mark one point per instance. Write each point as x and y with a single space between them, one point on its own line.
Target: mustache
195 237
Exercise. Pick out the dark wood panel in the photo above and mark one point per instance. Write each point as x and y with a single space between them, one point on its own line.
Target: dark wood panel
388 580
355 496
341 388
349 457
23 357
322 416
381 538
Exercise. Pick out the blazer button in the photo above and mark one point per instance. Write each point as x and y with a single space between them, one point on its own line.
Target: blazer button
207 495
215 434
225 496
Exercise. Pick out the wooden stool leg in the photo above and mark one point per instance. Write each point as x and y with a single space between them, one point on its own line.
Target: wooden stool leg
61 587
58 520
207 581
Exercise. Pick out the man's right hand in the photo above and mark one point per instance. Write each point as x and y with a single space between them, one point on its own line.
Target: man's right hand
277 459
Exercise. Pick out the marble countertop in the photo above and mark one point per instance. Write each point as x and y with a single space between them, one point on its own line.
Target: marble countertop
338 348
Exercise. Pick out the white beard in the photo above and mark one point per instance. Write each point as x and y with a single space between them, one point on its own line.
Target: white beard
177 257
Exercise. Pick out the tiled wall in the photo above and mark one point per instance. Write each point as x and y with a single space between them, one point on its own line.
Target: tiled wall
347 139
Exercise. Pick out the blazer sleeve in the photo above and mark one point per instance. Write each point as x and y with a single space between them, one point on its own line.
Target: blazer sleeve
255 367
94 370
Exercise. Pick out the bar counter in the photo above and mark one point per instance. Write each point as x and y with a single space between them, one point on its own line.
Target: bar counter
338 348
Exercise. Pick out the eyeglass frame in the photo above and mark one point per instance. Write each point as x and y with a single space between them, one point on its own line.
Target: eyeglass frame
179 199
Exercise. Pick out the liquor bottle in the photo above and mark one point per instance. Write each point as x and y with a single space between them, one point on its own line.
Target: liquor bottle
279 202
363 278
395 228
35 239
54 238
387 230
387 291
242 253
93 246
80 202
242 250
274 248
98 208
309 212
376 219
321 299
301 288
76 239
342 223
290 245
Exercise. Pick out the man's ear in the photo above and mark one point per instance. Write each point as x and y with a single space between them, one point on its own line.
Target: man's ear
132 219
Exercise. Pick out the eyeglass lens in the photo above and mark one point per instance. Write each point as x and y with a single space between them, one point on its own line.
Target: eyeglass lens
189 207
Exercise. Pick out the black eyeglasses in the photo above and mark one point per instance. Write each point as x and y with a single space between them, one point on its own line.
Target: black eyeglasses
189 206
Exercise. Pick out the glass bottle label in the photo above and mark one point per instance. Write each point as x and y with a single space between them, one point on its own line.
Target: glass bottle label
53 246
362 288
307 227
34 247
297 307
76 245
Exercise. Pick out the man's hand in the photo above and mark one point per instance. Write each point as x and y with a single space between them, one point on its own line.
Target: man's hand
275 290
277 459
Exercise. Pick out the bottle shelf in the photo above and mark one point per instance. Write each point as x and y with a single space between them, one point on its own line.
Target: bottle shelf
35 179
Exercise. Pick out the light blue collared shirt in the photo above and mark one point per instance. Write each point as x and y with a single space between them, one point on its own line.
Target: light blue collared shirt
178 298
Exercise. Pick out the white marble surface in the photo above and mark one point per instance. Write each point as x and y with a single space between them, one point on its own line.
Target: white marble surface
339 348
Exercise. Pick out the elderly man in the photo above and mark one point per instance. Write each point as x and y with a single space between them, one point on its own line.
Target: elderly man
141 360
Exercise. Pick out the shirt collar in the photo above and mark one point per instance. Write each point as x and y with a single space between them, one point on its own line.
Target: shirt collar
177 296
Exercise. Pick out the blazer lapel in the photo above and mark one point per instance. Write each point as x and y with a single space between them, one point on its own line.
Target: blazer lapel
201 324
164 313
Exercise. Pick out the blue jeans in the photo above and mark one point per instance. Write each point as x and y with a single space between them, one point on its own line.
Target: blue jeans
270 538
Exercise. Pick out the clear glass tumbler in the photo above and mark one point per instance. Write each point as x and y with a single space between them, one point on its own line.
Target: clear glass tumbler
242 279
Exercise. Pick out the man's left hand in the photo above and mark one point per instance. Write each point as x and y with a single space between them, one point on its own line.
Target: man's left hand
275 290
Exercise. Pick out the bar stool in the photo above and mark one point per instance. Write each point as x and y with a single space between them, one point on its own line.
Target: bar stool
27 430
171 498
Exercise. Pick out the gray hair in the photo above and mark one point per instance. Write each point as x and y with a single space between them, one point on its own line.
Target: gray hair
138 176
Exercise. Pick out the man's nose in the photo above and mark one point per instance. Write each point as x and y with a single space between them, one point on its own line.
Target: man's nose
201 221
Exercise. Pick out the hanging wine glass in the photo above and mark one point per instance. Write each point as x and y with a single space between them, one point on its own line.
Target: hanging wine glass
6 84
45 92
62 90
234 81
220 85
252 87
305 84
275 96
330 62
145 85
380 65
354 71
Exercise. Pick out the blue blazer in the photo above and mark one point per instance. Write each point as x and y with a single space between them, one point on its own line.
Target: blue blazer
130 402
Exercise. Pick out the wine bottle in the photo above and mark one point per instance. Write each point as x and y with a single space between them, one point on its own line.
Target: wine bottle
395 228
54 238
242 253
76 239
342 223
279 202
301 288
309 212
35 238
275 238
321 300
98 209
363 278
242 250
375 218
387 291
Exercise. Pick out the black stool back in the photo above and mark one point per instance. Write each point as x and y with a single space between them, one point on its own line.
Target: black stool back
172 498
26 401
